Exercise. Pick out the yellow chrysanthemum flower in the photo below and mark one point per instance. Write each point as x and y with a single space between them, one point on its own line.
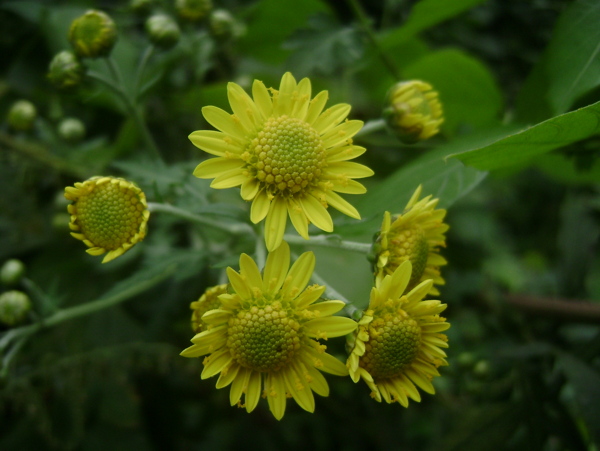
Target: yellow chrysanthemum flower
108 214
289 156
262 338
414 235
208 301
398 340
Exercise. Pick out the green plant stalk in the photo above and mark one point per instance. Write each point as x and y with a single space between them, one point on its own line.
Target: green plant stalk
234 229
371 127
333 294
360 14
329 241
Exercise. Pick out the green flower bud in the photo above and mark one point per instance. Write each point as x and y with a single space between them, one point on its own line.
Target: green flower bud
66 71
222 25
413 111
193 10
22 115
162 30
481 369
12 272
465 360
93 35
14 306
71 130
141 6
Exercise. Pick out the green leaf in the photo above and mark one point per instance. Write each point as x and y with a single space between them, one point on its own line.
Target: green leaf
566 170
539 139
271 23
324 47
426 14
467 89
564 74
448 180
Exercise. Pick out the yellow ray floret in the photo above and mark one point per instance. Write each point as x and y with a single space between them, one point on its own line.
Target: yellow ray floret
397 346
262 339
415 235
108 214
288 154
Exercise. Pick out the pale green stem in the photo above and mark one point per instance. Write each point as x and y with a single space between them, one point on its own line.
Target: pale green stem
329 241
85 309
365 22
260 250
371 127
234 229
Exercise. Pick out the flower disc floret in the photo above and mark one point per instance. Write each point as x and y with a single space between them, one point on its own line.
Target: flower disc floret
398 345
416 236
263 337
108 214
288 154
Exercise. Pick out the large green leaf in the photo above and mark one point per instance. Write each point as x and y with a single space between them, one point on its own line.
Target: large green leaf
570 66
530 142
426 14
468 91
447 179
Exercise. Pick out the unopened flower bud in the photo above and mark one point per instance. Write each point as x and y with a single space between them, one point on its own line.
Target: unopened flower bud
12 272
66 71
22 115
413 112
71 130
163 31
222 24
193 10
14 306
141 6
93 35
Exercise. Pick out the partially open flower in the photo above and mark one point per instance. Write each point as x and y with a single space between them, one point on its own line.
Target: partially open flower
413 111
93 34
263 338
208 301
414 235
108 214
66 71
22 115
14 306
397 346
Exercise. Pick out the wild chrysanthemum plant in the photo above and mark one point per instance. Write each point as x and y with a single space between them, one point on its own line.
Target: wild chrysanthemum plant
289 156
415 235
108 214
397 346
263 338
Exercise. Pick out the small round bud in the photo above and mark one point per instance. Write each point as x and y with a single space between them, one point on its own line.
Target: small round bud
14 306
162 31
60 222
65 70
12 272
413 111
481 369
222 24
141 6
22 115
93 35
465 360
71 130
193 10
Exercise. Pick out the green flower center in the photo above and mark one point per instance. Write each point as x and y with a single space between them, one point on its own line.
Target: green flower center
263 339
110 215
393 345
287 155
409 244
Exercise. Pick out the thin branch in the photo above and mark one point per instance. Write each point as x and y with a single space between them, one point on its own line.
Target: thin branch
561 309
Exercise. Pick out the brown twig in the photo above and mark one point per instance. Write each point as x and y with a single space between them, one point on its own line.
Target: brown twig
566 310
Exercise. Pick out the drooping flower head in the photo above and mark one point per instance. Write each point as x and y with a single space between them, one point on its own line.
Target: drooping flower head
263 338
289 156
415 235
208 301
397 346
108 214
413 111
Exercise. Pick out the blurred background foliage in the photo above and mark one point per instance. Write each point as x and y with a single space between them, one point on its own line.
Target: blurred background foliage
519 81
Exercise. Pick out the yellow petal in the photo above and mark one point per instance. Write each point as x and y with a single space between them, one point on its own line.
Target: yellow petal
310 295
329 327
216 316
298 218
342 205
239 284
260 207
331 117
250 271
262 98
399 280
317 381
286 90
215 143
349 169
302 99
253 391
275 223
213 167
348 187
243 107
299 388
326 308
216 363
276 268
300 273
341 133
275 388
250 189
227 377
315 107
239 385
223 121
229 179
316 213
344 153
